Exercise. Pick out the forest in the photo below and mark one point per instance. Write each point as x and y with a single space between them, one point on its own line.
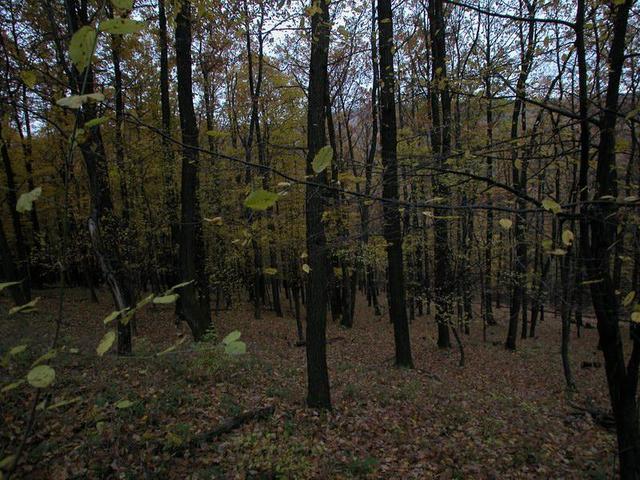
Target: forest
319 239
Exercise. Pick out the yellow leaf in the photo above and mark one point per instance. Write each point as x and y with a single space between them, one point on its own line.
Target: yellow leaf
628 298
29 78
505 223
106 342
567 237
551 206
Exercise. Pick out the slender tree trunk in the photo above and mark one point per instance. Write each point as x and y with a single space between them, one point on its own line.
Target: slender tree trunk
12 199
103 224
9 269
391 215
318 393
441 146
519 174
170 199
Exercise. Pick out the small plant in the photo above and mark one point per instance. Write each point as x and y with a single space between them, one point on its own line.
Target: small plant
360 467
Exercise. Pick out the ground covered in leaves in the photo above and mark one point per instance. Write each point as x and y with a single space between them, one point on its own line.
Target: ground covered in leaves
504 415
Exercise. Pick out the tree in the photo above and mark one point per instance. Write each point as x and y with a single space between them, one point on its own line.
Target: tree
441 148
391 215
103 223
318 394
622 376
194 306
519 174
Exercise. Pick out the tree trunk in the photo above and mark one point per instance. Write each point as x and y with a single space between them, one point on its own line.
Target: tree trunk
519 174
12 199
391 215
441 147
103 224
9 269
194 298
318 393
170 200
622 379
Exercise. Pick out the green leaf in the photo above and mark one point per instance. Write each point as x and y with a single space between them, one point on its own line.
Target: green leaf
306 268
12 386
18 349
113 315
96 121
41 376
260 200
166 299
551 206
124 403
121 26
76 101
232 337
81 47
9 284
144 301
270 271
106 342
180 285
47 356
26 308
6 462
322 160
236 348
62 403
172 347
29 78
25 202
166 350
122 4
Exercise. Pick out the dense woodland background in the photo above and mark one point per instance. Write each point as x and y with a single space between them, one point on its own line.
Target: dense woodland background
314 192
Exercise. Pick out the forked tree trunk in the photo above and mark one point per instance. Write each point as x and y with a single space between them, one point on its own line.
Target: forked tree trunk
103 224
622 378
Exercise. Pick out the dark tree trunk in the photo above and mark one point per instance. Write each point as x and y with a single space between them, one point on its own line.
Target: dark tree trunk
391 215
12 199
622 378
194 298
118 131
9 269
170 199
441 146
104 226
519 174
318 393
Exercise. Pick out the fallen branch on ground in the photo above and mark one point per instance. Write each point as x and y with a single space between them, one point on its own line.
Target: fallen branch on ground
227 426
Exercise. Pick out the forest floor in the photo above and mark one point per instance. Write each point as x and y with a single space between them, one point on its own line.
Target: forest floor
504 415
